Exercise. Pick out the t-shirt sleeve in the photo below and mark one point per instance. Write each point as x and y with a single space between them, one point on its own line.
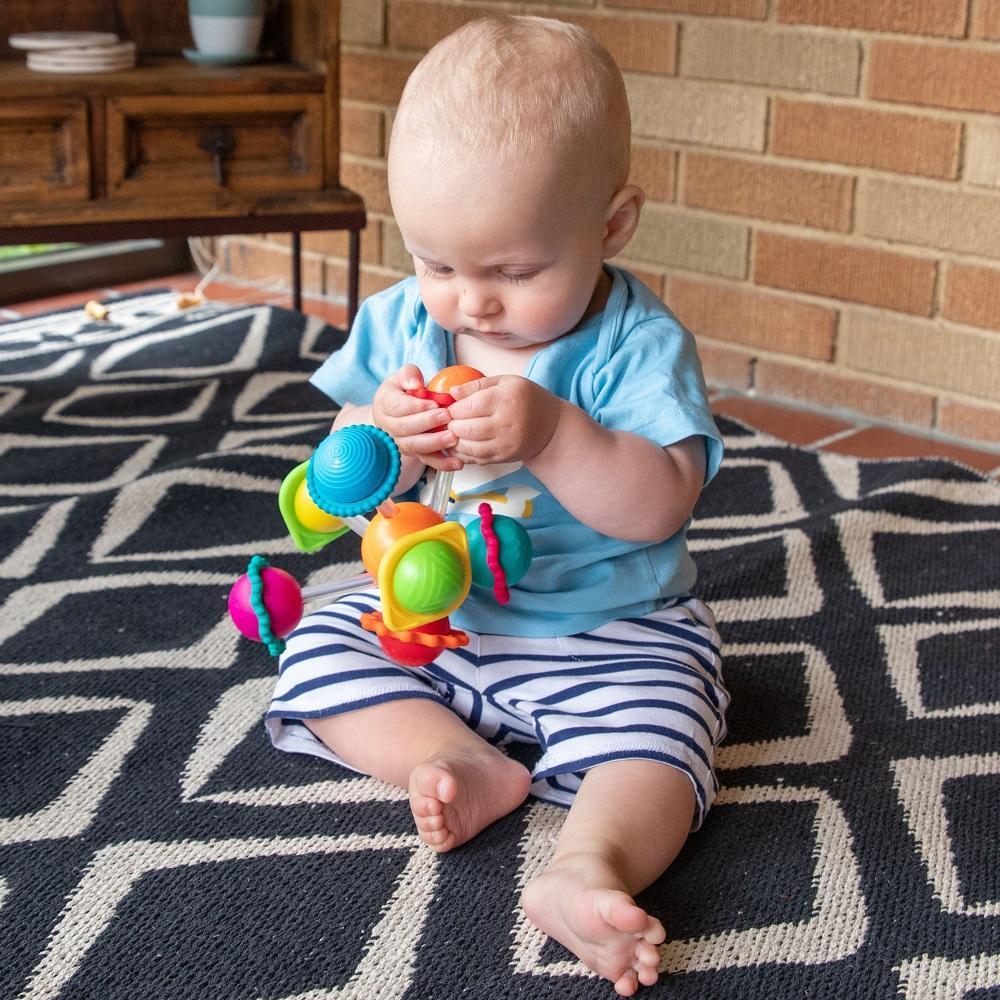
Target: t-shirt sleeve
374 350
652 385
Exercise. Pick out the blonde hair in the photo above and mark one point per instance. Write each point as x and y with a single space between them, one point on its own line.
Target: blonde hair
507 86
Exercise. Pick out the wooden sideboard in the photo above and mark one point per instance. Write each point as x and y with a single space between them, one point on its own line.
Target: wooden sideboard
172 148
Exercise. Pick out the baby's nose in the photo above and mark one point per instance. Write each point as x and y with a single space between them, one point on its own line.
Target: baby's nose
478 302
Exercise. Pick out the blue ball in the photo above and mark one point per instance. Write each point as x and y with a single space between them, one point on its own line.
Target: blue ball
515 550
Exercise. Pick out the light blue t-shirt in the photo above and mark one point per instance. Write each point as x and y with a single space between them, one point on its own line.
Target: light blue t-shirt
632 367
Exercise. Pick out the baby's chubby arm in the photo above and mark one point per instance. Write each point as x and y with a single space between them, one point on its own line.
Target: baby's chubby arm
418 426
617 483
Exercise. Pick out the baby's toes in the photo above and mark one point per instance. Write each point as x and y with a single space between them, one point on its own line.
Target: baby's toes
646 954
647 975
434 782
627 985
429 822
654 932
621 912
435 838
425 807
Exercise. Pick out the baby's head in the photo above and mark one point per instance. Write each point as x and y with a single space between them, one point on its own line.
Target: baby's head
514 89
508 168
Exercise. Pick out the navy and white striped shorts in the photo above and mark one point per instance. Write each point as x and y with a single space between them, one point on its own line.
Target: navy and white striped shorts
648 688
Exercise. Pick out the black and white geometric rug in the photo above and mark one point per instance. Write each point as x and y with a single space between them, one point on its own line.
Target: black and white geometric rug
152 845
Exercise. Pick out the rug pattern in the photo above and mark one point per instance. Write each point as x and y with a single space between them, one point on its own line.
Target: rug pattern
152 845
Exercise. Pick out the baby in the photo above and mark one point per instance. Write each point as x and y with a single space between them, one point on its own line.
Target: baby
508 175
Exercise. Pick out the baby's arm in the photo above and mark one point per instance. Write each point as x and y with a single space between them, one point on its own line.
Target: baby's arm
617 483
413 424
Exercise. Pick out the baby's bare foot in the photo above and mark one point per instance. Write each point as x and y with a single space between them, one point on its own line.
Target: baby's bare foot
581 902
457 794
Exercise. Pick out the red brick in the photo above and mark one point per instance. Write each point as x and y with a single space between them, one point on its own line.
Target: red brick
965 418
419 25
374 76
651 279
753 318
256 260
943 76
986 23
369 180
335 242
372 280
654 169
755 9
361 130
842 271
768 191
841 391
910 17
725 365
972 295
843 133
638 44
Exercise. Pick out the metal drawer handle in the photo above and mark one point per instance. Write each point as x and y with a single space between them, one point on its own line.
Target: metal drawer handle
219 141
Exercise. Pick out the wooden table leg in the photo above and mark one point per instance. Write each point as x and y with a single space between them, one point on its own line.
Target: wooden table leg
353 275
297 271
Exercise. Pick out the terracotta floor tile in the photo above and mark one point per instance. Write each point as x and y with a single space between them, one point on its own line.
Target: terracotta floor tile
799 427
333 312
57 302
881 442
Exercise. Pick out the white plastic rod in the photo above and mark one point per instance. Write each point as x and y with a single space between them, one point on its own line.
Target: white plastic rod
441 491
358 523
335 587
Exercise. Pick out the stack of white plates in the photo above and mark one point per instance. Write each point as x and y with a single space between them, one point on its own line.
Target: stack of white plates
75 51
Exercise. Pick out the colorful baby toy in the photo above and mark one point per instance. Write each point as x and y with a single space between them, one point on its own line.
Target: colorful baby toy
423 565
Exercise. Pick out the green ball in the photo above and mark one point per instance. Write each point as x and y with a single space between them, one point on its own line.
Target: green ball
429 578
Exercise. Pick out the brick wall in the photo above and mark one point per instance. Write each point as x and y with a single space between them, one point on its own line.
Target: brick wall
823 183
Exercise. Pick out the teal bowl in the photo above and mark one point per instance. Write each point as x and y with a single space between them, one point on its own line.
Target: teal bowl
226 8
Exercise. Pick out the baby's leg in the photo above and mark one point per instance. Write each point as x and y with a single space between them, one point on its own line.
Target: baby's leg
458 783
628 821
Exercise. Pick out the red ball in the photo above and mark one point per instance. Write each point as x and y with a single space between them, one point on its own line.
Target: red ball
415 654
282 598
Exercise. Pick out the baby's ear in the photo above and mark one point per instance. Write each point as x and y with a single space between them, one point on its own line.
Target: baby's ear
622 219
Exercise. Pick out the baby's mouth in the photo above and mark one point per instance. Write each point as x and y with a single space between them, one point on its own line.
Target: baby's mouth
488 334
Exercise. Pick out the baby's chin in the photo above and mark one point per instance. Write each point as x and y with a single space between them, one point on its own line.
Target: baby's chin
511 340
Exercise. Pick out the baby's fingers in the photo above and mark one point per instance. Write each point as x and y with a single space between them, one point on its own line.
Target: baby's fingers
426 443
443 463
424 422
465 389
409 377
472 429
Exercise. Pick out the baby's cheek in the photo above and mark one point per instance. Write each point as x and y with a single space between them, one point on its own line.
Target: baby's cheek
555 320
437 302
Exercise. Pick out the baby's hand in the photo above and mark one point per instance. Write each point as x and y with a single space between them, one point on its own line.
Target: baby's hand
418 426
502 418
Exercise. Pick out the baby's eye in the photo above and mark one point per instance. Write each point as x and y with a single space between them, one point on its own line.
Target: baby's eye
438 270
518 278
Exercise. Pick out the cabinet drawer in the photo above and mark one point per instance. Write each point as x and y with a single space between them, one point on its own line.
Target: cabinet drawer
245 144
44 152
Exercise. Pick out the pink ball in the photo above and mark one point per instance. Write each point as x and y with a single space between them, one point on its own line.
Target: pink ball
282 598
